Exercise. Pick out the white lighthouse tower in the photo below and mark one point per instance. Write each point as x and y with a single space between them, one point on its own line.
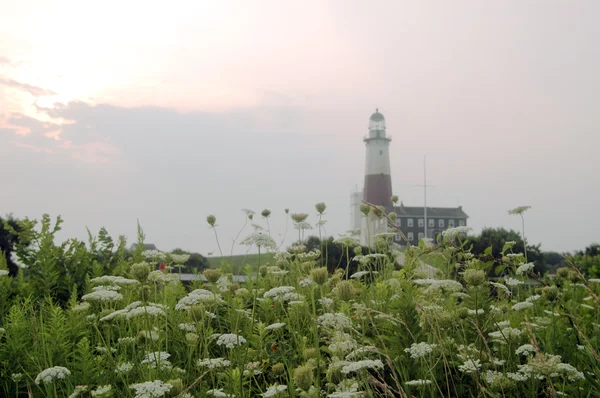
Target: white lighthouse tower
378 179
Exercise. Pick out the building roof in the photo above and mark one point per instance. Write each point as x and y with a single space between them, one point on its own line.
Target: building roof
417 211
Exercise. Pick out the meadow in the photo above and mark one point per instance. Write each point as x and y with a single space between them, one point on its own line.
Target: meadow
92 320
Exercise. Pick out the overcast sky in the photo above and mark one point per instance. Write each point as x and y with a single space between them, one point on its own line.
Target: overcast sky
166 112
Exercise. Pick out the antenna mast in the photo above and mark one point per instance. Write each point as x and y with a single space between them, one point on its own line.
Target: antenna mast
425 193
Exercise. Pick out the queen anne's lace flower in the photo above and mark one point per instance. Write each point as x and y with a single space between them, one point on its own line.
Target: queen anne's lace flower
522 305
103 296
282 293
50 375
102 391
230 340
214 363
117 280
525 350
196 297
151 389
219 393
275 326
334 321
364 364
470 366
274 390
418 350
525 268
3 272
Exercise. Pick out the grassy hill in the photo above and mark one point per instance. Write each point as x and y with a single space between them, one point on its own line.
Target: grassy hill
238 262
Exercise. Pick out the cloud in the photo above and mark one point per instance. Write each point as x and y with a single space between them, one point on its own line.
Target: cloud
5 61
33 90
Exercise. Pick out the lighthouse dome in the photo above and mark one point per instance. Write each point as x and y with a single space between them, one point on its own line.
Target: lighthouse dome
376 124
377 117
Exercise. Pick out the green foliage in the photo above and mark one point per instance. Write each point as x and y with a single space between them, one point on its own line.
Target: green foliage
389 330
492 243
588 261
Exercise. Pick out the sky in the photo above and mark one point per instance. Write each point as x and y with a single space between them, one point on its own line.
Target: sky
116 112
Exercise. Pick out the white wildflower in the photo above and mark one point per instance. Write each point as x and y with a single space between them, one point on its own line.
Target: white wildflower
360 274
260 239
116 280
334 321
230 340
151 389
81 307
505 335
419 350
102 391
219 393
525 268
124 368
161 277
364 364
470 366
480 311
452 233
513 282
49 375
179 258
275 326
3 272
282 293
196 297
103 296
523 305
274 390
533 298
157 360
153 255
525 350
214 363
187 327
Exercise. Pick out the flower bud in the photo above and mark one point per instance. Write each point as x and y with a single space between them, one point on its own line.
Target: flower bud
212 274
345 290
474 277
278 369
211 220
303 377
319 275
320 207
365 209
550 292
562 272
266 213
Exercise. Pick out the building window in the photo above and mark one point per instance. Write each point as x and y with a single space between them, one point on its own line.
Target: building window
421 235
397 237
451 223
441 223
398 222
421 223
410 236
410 223
431 223
461 223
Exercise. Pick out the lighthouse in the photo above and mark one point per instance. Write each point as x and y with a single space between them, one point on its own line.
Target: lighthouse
378 180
